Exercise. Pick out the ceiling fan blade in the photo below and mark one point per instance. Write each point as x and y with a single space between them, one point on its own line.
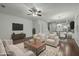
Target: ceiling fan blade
39 14
29 14
30 10
39 11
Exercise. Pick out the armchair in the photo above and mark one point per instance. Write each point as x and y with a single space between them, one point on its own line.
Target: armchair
41 37
52 40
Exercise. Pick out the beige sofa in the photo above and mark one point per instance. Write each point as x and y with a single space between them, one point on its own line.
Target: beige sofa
15 50
2 49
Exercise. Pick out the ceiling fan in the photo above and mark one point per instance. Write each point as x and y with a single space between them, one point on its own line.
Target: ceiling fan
33 11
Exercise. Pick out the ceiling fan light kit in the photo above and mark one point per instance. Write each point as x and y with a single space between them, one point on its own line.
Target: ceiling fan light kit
34 12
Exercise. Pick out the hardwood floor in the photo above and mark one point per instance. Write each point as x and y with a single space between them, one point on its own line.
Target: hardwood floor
69 48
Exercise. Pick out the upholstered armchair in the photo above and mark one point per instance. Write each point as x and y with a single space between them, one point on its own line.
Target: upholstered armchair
53 40
17 49
2 49
41 37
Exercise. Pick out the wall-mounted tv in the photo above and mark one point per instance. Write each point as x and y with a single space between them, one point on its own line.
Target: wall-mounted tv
17 26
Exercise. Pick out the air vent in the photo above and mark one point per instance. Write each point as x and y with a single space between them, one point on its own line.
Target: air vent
3 6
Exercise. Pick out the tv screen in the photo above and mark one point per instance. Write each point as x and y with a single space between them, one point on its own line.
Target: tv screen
16 26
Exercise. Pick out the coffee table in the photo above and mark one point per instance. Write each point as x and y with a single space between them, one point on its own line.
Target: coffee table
37 47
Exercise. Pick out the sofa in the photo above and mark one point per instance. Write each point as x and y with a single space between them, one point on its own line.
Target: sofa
14 50
2 49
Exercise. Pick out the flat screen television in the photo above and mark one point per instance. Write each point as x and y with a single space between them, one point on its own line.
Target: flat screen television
17 26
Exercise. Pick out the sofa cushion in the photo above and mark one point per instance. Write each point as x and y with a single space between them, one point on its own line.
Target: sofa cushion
2 49
15 51
51 36
20 45
12 50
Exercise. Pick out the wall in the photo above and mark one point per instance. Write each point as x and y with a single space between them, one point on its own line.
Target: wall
43 26
36 25
53 27
76 35
40 26
6 26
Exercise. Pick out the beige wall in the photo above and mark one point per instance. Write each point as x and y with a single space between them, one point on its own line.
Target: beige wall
6 26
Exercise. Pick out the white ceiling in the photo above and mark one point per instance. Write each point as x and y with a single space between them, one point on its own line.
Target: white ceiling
50 11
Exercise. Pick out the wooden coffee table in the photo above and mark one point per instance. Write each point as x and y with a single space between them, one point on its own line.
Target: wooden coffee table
37 47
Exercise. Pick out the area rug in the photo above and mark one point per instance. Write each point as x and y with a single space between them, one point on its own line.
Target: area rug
51 51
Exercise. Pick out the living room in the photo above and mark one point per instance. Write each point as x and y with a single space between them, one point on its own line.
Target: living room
26 29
